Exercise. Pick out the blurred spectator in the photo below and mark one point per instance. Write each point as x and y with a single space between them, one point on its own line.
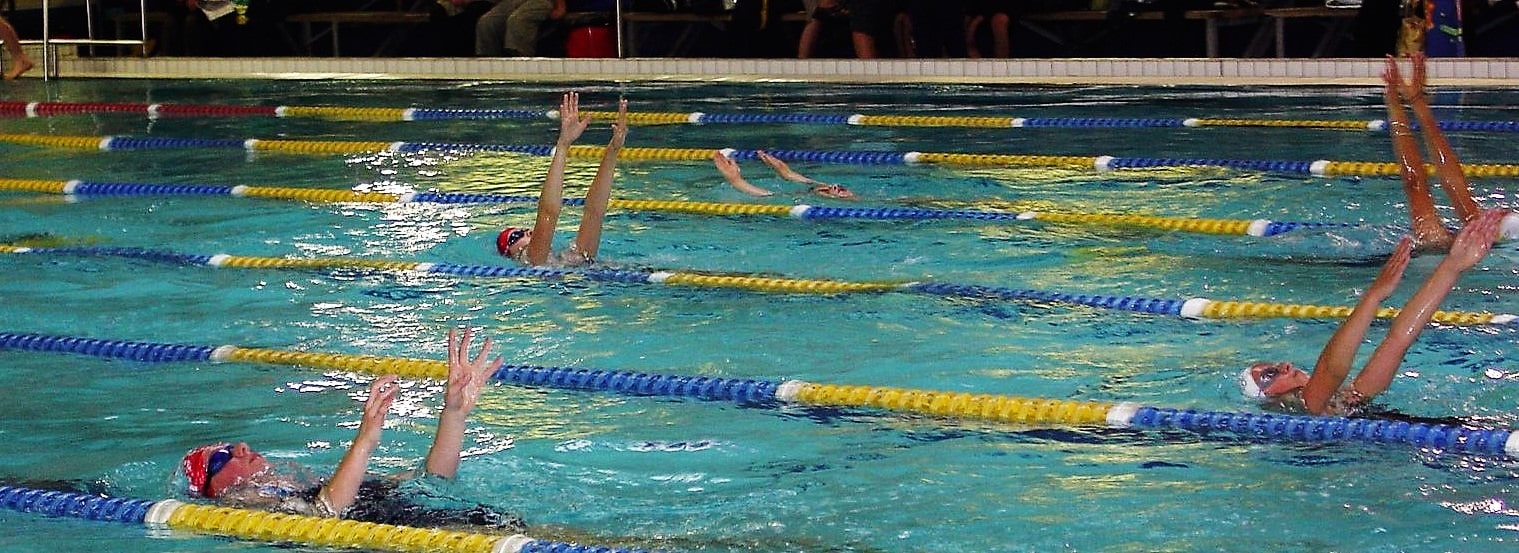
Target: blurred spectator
994 18
511 28
868 22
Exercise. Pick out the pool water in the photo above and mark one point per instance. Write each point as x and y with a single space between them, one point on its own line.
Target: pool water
709 476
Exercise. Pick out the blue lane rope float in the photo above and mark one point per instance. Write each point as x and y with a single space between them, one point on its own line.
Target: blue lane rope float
1320 168
1238 227
267 526
1193 308
50 109
957 405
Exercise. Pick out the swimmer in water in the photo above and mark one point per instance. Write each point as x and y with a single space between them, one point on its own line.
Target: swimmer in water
233 474
730 172
535 246
1282 386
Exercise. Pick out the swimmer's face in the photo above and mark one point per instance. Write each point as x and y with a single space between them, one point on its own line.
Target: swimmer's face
834 191
243 463
515 246
1276 379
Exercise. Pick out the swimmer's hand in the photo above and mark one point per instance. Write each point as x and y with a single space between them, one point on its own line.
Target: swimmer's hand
571 123
467 376
620 126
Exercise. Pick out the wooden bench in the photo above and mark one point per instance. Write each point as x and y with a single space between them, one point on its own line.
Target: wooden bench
1212 20
1336 23
403 20
690 23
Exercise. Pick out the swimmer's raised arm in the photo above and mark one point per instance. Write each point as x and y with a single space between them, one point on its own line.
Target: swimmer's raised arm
1428 231
1447 163
1333 365
588 237
340 490
551 198
815 186
1471 245
467 376
731 173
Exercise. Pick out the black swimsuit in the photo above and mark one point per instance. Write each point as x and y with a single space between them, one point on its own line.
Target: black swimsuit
378 501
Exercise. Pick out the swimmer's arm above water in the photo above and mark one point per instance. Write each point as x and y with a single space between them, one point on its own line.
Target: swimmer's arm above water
1333 365
813 185
340 490
551 199
1447 163
1471 245
731 173
588 236
466 377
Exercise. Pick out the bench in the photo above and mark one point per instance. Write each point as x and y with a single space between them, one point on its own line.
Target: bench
1212 20
690 23
403 20
1336 23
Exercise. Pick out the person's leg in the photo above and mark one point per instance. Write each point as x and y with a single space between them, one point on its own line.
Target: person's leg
490 30
906 38
523 24
972 26
869 21
20 63
1427 230
1001 28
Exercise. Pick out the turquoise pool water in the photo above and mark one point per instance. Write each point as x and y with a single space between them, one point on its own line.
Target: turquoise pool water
708 476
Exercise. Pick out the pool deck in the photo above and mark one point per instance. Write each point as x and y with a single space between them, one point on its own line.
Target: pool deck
1475 72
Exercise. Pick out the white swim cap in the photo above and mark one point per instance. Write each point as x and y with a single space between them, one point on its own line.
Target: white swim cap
1508 229
1248 386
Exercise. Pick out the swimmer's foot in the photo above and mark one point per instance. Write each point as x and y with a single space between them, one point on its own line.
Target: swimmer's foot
19 65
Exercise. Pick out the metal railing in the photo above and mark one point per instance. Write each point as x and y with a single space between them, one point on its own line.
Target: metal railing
50 44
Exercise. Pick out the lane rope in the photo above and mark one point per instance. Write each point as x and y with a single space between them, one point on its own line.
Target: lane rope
1101 163
943 404
1192 308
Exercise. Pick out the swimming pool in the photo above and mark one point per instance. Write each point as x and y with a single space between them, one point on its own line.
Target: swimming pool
712 476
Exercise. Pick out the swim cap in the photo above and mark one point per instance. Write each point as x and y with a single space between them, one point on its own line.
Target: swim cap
508 236
1249 387
197 466
1508 229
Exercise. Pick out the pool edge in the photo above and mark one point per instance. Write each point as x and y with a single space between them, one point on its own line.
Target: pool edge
1475 72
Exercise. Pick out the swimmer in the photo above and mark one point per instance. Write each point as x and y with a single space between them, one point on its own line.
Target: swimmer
1281 385
730 172
233 474
20 63
1429 234
535 246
